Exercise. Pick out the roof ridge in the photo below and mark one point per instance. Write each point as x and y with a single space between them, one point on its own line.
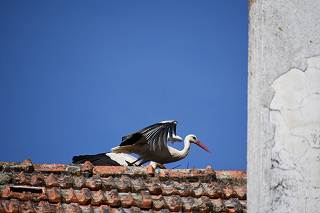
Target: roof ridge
87 167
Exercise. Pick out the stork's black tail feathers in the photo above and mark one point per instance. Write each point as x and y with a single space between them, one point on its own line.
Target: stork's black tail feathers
100 159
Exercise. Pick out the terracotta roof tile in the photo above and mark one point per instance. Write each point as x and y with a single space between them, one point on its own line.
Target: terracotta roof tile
168 188
240 192
138 185
126 199
184 189
68 195
109 170
108 183
198 191
51 181
79 182
93 183
37 180
54 195
124 184
28 187
22 179
87 167
146 200
113 198
49 168
174 203
154 187
158 202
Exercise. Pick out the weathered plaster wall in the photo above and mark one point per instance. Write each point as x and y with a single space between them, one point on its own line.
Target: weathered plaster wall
284 106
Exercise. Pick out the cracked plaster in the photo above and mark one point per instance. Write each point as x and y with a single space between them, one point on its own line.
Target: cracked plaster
295 155
284 106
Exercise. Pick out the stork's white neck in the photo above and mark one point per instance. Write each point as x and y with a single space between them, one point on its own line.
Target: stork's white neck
184 152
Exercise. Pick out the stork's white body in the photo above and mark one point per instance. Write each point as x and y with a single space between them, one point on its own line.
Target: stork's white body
163 155
121 158
125 159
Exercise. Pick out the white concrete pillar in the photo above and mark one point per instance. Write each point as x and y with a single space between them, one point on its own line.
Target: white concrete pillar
284 106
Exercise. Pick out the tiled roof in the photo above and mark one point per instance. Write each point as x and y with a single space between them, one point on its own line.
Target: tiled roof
28 187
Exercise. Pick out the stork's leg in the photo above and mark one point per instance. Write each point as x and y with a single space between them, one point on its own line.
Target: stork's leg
133 163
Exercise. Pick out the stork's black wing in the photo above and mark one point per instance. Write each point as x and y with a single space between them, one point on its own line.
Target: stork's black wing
132 139
100 159
155 135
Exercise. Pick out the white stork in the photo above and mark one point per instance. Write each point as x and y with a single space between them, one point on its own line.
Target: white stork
110 159
150 144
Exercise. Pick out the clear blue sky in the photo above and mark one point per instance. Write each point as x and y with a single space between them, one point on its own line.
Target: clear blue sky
75 76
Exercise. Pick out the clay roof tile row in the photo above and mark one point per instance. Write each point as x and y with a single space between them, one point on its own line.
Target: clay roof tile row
71 188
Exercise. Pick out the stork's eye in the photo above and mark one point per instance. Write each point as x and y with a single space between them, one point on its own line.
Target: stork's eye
194 138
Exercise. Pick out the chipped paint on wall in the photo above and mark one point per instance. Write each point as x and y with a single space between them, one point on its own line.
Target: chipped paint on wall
295 155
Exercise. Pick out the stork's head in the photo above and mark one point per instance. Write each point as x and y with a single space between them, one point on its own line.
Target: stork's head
193 139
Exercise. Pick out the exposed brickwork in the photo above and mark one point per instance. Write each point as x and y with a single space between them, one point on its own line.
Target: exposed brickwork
28 187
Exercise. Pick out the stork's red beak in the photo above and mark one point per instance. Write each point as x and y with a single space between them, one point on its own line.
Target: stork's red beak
201 145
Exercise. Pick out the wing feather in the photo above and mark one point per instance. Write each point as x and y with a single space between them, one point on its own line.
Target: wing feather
156 135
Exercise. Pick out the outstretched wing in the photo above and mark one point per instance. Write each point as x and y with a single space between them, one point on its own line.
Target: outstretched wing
155 135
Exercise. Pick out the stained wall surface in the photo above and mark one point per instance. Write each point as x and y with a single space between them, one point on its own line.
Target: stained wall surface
284 106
